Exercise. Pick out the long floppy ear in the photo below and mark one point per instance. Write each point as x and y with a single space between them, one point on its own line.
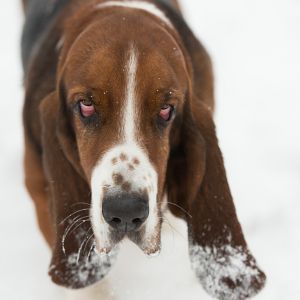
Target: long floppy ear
75 263
197 182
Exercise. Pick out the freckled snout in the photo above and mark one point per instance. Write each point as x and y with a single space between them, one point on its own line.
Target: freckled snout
125 212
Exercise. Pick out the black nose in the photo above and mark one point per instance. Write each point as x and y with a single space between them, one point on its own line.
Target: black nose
125 212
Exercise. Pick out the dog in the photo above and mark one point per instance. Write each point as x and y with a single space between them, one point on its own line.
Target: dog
118 126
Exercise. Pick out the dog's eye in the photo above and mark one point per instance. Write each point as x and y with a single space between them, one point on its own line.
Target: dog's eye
87 108
166 112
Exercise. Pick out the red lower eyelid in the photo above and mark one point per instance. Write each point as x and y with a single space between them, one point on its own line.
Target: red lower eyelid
87 110
165 112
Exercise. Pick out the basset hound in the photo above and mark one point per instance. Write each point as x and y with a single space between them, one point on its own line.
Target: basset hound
118 120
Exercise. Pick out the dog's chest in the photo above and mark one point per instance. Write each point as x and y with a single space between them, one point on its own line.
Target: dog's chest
136 276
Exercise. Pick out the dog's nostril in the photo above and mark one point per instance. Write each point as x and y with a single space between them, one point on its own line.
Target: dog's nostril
116 220
137 221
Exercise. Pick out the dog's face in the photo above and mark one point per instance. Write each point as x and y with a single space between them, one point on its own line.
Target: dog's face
123 97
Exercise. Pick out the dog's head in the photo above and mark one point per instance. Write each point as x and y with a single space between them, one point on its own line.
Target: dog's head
121 94
128 125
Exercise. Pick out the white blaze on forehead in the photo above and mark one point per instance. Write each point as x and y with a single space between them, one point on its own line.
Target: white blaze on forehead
141 5
130 98
125 163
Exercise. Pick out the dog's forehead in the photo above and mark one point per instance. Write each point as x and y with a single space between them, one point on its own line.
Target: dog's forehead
105 70
102 50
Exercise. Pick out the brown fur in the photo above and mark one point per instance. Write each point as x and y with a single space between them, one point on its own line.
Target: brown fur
61 152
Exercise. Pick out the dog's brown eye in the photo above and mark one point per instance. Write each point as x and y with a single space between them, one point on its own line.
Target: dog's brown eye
87 108
166 112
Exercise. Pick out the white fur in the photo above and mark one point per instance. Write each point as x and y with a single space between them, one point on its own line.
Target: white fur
130 112
142 176
141 5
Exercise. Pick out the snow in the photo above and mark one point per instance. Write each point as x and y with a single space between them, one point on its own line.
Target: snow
255 47
213 265
80 272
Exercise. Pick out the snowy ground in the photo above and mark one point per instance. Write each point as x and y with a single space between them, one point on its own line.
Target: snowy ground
255 47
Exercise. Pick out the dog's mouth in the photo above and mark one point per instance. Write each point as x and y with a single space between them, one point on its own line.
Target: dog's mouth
149 241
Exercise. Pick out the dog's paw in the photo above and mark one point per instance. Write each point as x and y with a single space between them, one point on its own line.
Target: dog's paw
227 272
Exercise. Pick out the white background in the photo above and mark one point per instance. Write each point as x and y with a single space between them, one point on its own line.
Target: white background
255 46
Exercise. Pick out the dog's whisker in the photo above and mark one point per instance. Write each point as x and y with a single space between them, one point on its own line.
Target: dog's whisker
93 245
72 228
72 214
92 248
81 203
81 220
172 227
87 243
76 219
180 207
86 239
